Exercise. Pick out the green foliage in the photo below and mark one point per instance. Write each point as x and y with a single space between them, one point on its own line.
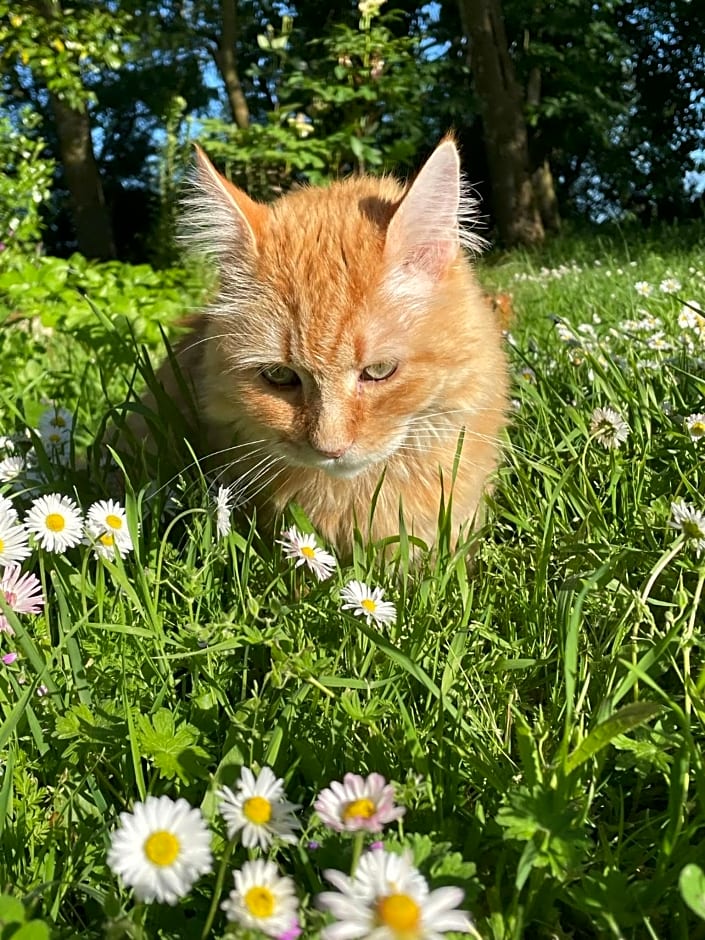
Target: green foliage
64 47
356 105
25 181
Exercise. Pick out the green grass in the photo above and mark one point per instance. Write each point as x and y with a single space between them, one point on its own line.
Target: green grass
542 718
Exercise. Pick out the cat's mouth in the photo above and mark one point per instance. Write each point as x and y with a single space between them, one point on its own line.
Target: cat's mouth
340 468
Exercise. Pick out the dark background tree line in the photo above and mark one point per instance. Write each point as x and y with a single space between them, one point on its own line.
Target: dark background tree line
564 109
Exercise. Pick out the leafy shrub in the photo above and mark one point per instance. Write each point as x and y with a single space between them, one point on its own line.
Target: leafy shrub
25 182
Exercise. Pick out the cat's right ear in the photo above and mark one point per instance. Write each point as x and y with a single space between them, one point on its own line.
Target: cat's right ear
424 236
219 216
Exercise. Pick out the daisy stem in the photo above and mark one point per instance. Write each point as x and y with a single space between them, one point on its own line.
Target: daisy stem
218 889
358 841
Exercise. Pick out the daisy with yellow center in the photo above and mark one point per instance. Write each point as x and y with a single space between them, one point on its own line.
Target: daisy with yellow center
691 522
358 803
259 810
368 603
696 427
161 849
56 522
106 529
388 899
303 548
55 425
262 899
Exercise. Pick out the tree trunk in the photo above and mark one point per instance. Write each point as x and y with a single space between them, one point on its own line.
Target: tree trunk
545 192
226 60
91 217
516 211
542 176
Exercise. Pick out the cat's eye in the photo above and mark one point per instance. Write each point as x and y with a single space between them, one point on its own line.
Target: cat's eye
282 376
378 371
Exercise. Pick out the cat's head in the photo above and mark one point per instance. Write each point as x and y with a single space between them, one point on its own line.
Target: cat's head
344 315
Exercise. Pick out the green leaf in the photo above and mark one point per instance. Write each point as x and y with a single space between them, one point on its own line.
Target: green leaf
692 885
11 910
172 750
626 718
34 930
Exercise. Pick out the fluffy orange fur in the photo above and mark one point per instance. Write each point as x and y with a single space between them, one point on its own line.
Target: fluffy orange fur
348 342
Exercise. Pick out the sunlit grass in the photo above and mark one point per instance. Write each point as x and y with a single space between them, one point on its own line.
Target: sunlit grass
541 715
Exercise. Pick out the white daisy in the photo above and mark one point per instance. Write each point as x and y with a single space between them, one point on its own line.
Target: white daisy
259 809
643 288
7 507
10 468
358 803
55 426
106 529
527 374
14 545
161 848
56 522
388 899
691 522
696 426
223 509
262 899
368 603
7 445
658 342
689 316
304 549
670 285
608 428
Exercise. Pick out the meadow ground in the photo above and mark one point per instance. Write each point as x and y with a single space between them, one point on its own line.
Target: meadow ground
542 721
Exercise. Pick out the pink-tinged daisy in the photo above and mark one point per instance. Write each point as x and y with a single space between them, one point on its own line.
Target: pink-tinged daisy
22 594
696 427
9 658
292 933
56 522
303 548
262 899
367 602
259 809
160 849
358 803
14 544
608 428
106 529
389 899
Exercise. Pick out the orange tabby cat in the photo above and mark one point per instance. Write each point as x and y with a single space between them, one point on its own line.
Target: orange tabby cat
348 341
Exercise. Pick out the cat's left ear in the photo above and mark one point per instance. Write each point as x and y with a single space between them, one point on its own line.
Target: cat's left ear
424 233
220 219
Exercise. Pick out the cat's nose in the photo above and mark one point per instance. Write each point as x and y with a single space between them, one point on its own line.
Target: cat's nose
332 454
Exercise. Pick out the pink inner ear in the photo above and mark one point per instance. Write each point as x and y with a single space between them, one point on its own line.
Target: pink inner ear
423 233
